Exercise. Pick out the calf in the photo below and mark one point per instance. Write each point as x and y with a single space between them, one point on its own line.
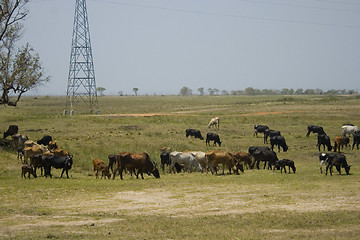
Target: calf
281 164
339 161
270 133
356 140
324 140
99 165
279 141
259 129
315 129
225 158
340 141
12 130
195 133
26 169
64 162
213 137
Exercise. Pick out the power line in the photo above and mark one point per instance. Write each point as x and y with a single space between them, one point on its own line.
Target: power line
227 15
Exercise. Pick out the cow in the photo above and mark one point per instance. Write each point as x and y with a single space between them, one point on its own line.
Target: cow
36 149
259 129
324 140
60 152
270 133
315 129
281 164
184 159
99 165
112 161
244 158
214 122
200 157
132 161
27 169
19 140
215 158
38 161
52 145
165 160
339 141
12 130
264 156
339 161
193 132
252 149
346 129
213 137
45 140
279 141
64 162
356 139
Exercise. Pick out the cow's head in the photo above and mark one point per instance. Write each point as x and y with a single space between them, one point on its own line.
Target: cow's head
347 169
285 147
329 147
69 162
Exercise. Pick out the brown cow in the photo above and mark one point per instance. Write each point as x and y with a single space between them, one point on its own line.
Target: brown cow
99 165
60 152
27 169
132 161
339 141
36 149
244 158
225 158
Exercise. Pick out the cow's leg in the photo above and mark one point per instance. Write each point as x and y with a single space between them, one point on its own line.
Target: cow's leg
62 172
331 166
327 167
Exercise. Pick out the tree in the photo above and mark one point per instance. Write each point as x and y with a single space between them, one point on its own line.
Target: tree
135 90
185 91
20 69
201 91
100 90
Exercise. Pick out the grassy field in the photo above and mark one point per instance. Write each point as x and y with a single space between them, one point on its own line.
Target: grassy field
257 204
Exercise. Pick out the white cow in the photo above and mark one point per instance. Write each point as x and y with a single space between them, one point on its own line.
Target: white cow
214 122
346 129
201 158
184 159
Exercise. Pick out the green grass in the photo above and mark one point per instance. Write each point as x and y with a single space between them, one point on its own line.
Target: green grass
258 204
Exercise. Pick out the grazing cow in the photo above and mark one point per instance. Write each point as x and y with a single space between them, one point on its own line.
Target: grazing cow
228 160
259 129
340 141
26 169
323 158
315 129
281 164
339 161
252 149
214 122
243 158
200 157
64 162
165 160
279 141
19 140
45 140
270 133
132 161
264 156
346 129
195 133
38 161
12 130
99 165
356 140
213 137
184 159
324 140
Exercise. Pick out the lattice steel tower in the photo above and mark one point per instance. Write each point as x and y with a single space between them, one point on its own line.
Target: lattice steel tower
81 80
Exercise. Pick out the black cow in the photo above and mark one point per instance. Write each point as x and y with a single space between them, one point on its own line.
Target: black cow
12 130
356 139
213 137
339 161
64 162
324 140
38 161
315 129
252 149
279 141
264 156
281 164
195 133
45 140
260 129
270 133
165 159
112 160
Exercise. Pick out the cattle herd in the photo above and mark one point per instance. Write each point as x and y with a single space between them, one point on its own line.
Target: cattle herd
45 154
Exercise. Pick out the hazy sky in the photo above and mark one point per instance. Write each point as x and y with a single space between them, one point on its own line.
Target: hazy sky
159 46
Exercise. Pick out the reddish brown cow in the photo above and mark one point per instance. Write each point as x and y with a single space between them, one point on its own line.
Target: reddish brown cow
244 158
99 165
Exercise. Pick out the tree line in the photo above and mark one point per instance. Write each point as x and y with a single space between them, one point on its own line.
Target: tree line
186 91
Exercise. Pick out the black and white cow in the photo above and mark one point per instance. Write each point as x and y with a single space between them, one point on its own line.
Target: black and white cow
64 162
193 132
315 129
213 137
